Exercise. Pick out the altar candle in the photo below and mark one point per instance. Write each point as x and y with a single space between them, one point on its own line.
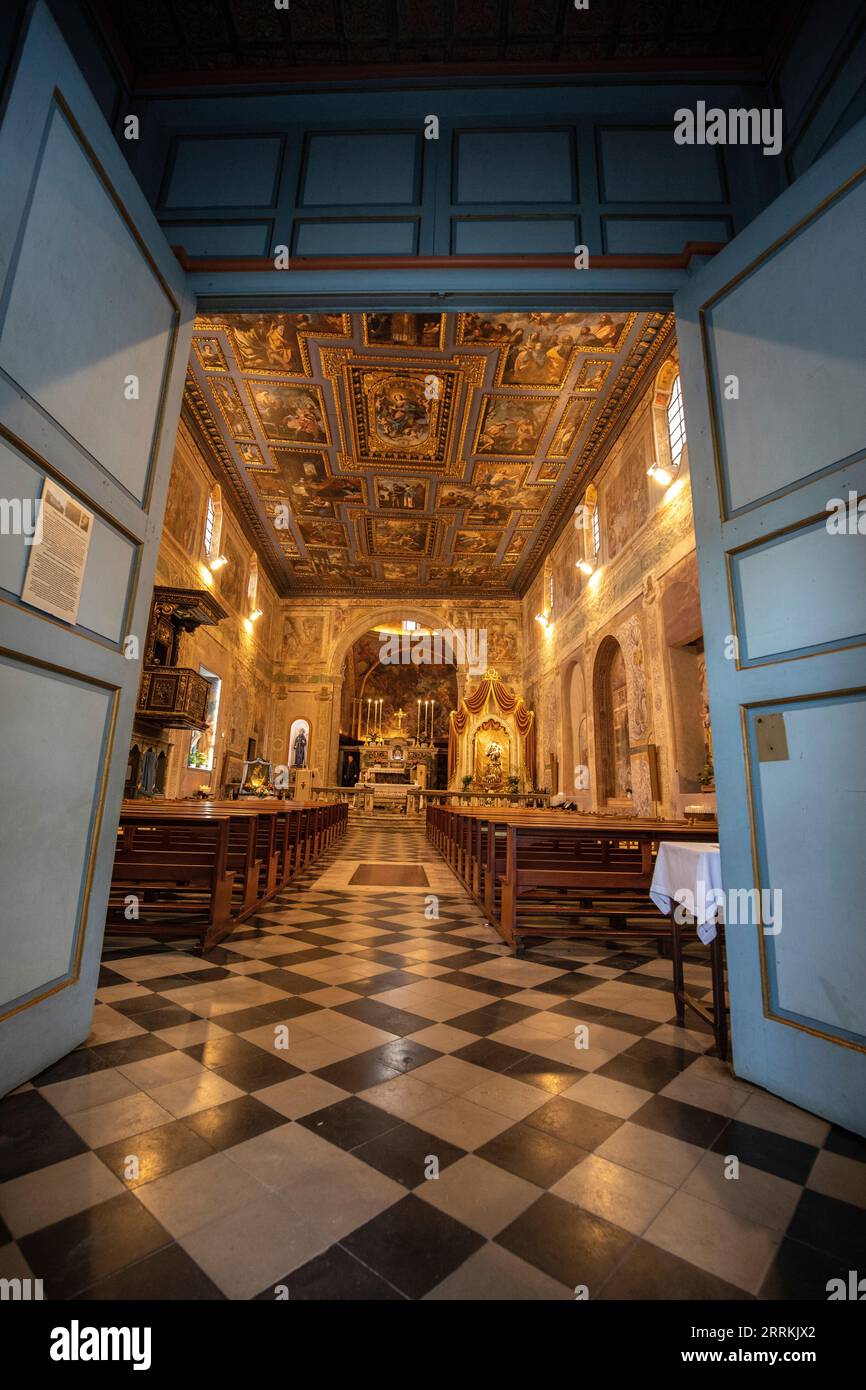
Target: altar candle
369 703
432 707
418 733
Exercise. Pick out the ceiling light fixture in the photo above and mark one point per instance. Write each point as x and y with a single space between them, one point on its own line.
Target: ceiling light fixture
658 474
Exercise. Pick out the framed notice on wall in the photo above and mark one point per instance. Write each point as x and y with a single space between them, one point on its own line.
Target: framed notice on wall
58 554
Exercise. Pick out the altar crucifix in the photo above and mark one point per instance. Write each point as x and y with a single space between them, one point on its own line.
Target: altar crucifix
400 715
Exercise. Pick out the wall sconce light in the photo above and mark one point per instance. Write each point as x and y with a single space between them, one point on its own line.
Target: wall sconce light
255 615
585 567
216 563
543 619
658 474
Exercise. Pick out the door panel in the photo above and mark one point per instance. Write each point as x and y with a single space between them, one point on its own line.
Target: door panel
781 310
90 296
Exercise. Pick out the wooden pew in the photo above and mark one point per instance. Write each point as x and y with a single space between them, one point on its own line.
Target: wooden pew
548 874
199 868
178 873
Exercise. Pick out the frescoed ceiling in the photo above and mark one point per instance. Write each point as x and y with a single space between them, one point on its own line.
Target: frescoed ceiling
412 453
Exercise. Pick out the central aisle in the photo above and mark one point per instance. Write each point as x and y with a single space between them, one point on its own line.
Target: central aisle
290 1099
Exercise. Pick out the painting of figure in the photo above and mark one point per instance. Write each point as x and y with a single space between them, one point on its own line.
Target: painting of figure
401 412
300 482
476 542
454 495
404 330
626 502
398 572
329 533
289 412
511 426
184 508
603 331
573 416
401 494
272 343
591 376
400 537
210 354
228 399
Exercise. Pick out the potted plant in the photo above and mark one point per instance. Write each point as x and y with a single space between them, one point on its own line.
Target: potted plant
707 777
467 783
513 785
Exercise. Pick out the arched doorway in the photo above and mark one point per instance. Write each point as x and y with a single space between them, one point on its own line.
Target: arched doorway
612 741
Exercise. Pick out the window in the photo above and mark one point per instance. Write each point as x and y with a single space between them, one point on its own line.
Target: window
203 741
676 422
596 531
550 593
213 524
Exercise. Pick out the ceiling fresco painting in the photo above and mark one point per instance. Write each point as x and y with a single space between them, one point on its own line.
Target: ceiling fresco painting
415 452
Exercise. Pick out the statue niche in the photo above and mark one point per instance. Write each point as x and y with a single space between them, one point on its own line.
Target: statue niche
492 766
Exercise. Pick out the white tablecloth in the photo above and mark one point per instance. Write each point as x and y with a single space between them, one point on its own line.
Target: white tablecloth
690 874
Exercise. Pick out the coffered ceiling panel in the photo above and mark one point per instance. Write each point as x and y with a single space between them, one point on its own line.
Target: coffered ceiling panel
422 453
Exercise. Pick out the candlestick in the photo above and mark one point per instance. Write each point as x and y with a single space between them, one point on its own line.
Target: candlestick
418 732
369 703
432 707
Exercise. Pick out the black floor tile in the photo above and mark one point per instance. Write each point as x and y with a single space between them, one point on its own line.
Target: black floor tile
493 1055
404 1054
384 1016
774 1153
34 1136
569 1244
260 1015
378 984
648 1273
349 1123
680 1121
358 1073
135 1049
334 1275
167 1016
81 1062
404 1154
549 1076
223 1126
169 1274
580 1125
842 1141
75 1254
834 1227
491 1017
157 1151
413 1245
532 1153
800 1273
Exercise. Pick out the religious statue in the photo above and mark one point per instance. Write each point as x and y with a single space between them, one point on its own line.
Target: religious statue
299 749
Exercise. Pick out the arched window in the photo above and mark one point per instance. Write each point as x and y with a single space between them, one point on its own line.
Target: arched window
676 422
213 524
596 531
253 582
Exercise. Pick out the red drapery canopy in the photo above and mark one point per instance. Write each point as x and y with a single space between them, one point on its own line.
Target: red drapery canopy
491 687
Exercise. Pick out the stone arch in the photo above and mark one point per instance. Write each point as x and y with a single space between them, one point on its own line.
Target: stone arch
391 612
611 710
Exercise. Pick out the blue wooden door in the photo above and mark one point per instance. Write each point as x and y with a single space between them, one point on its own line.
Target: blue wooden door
773 350
95 323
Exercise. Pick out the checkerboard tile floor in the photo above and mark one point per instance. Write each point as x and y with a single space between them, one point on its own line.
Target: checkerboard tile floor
273 1114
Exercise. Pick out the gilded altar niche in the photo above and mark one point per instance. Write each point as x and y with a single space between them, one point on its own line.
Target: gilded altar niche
492 766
